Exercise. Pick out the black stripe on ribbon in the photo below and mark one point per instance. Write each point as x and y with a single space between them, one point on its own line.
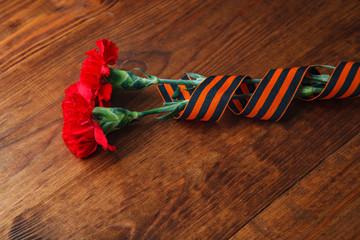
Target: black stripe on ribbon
289 95
332 81
251 87
243 101
209 97
356 93
195 97
274 91
220 108
256 95
349 79
233 107
164 93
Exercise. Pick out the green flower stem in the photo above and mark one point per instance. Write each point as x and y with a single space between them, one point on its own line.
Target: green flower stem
166 108
306 91
178 105
125 80
180 82
198 81
303 91
317 79
112 119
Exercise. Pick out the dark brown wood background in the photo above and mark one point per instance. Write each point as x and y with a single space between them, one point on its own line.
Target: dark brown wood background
235 179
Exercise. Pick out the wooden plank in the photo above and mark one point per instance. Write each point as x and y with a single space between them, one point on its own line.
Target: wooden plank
29 26
323 205
170 179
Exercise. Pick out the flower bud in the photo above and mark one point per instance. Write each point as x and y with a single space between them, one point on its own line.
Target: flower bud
111 119
125 80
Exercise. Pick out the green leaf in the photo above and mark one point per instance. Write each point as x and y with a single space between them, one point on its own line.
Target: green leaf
176 93
174 112
167 116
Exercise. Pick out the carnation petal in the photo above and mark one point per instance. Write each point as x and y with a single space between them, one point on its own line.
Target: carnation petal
100 137
85 91
92 53
105 95
108 50
78 128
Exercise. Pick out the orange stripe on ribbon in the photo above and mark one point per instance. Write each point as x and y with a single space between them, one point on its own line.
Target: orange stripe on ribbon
280 94
354 85
202 97
265 93
169 89
340 81
217 98
244 88
184 92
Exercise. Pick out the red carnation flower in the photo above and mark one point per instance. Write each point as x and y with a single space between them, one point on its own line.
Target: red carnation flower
95 67
80 132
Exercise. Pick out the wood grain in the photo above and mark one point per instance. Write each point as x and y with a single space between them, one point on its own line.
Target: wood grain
177 179
323 205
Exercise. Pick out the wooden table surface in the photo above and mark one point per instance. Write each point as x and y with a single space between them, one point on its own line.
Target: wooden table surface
235 179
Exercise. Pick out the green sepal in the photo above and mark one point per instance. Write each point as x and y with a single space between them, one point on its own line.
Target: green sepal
178 91
126 80
151 77
111 119
195 75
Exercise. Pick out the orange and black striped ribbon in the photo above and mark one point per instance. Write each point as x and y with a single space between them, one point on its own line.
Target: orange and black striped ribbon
270 98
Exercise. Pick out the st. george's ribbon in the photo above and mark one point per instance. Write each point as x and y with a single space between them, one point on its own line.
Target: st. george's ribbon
270 99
